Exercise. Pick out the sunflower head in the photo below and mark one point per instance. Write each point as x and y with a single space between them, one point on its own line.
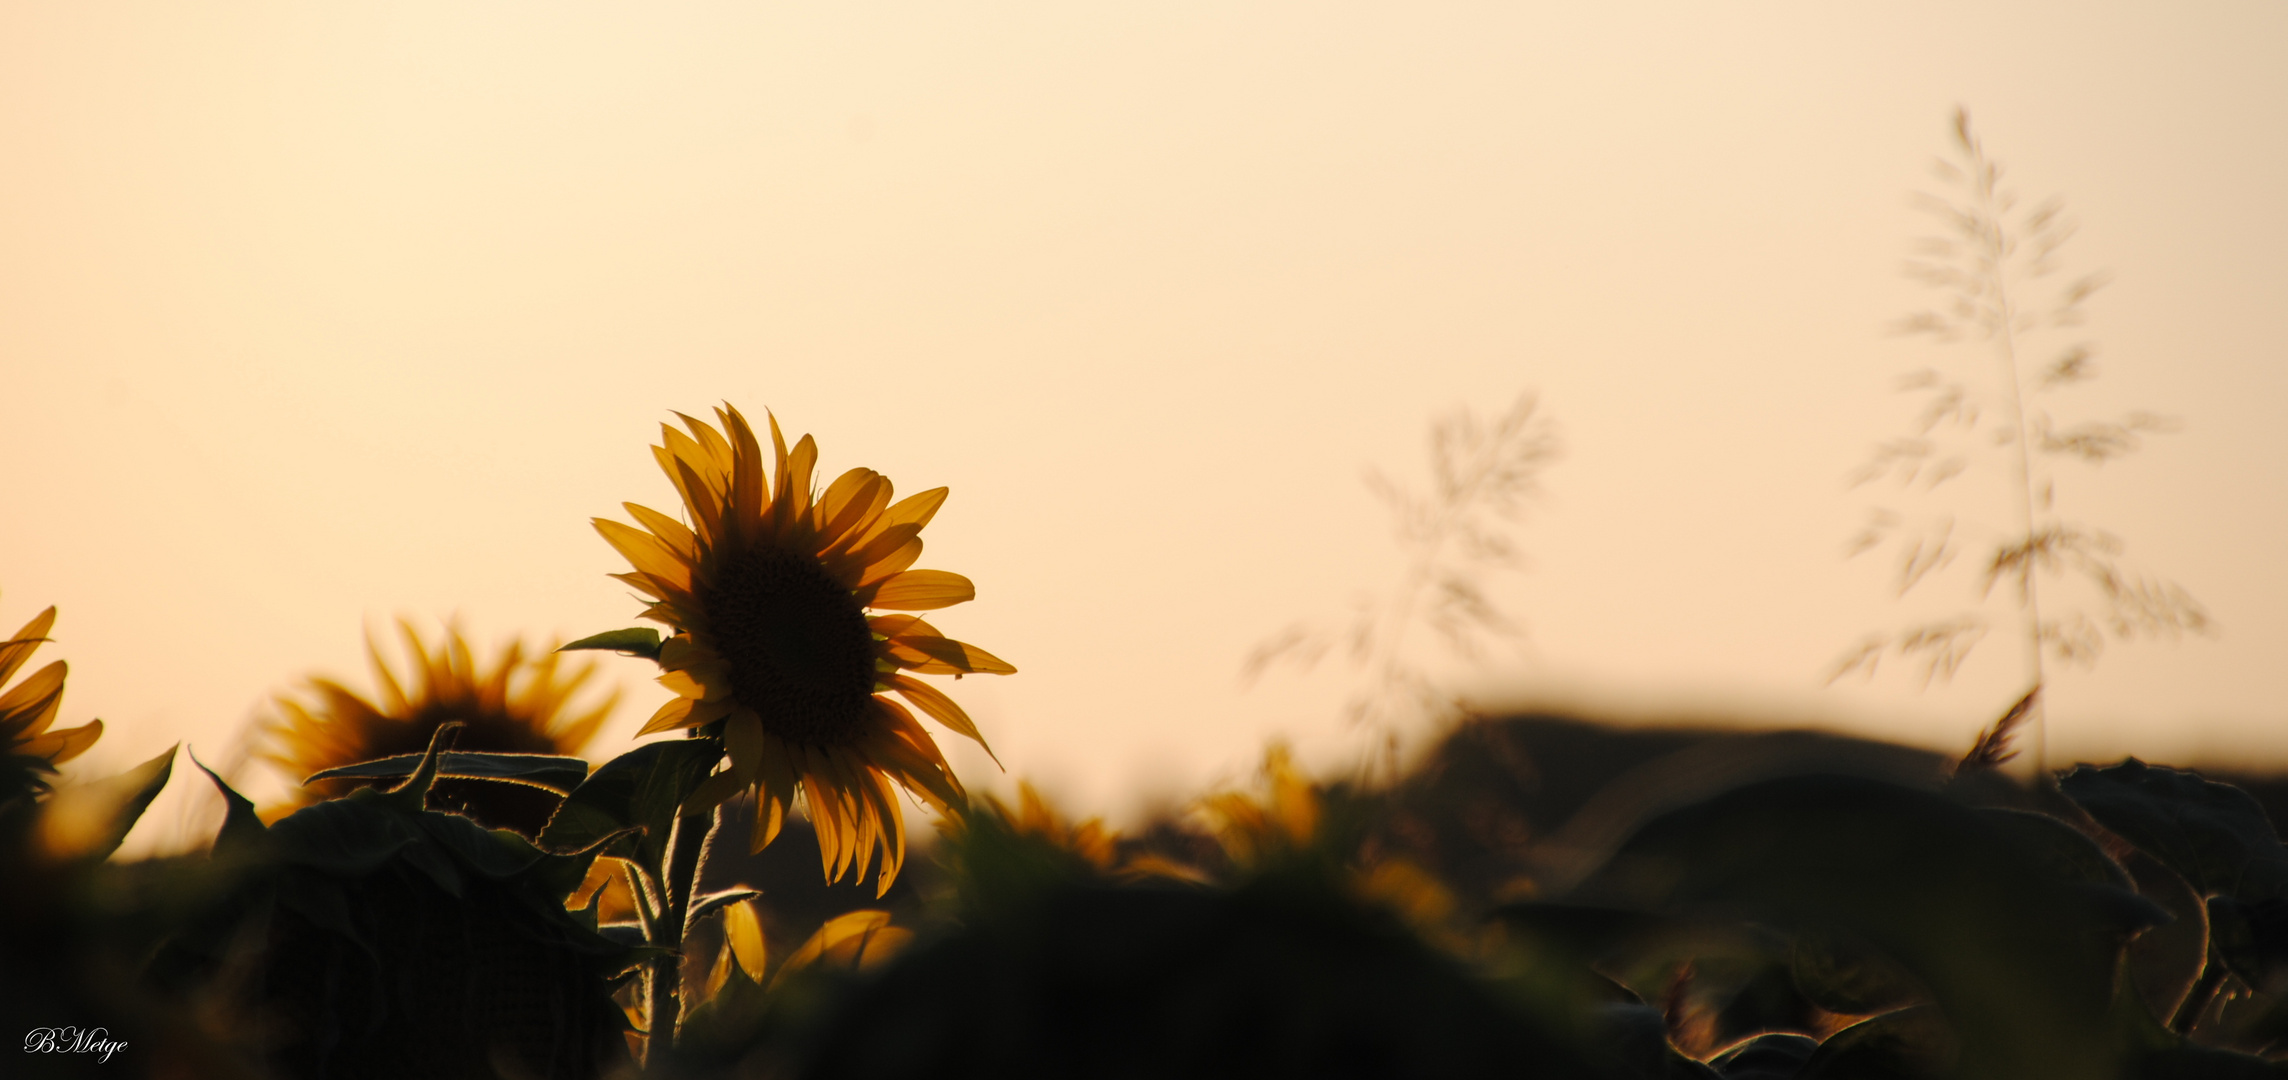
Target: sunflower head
785 603
30 751
515 704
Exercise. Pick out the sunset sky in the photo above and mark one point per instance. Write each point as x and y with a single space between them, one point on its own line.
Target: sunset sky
314 315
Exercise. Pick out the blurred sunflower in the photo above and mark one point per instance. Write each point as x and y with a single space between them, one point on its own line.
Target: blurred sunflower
772 593
517 704
31 750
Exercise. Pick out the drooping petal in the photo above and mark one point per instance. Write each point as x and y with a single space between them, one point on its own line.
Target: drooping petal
774 792
911 755
743 934
917 646
743 740
941 708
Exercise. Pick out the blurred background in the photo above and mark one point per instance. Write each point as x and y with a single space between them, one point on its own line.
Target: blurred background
316 316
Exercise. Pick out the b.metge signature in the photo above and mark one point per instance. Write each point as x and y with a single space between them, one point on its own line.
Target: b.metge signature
72 1040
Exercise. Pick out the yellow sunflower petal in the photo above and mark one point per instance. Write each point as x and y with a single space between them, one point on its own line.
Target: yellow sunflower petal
743 740
749 487
62 746
718 448
897 560
774 792
648 554
27 709
917 646
743 935
678 474
689 454
919 590
678 538
392 692
782 476
886 543
869 520
916 510
706 507
642 583
669 717
845 503
695 683
892 826
941 708
681 651
912 757
827 818
20 648
793 503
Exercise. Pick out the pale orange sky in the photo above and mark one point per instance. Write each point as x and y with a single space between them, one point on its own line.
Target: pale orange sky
311 315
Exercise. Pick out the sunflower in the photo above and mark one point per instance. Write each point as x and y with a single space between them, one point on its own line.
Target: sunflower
30 749
516 704
781 602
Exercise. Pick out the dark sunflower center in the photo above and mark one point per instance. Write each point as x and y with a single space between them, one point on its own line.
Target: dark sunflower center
800 652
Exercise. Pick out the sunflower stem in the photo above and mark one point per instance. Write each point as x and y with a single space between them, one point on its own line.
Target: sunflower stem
666 981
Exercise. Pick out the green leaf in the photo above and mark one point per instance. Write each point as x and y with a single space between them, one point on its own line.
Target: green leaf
1772 1054
1844 974
1908 1044
343 837
320 899
634 641
413 794
547 771
242 829
2215 835
88 821
642 788
2066 851
498 854
2020 961
2252 937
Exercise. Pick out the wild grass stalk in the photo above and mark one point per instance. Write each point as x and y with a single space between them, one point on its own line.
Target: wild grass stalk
1484 473
1991 265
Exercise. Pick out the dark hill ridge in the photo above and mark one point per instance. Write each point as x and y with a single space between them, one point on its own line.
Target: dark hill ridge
1504 804
1501 807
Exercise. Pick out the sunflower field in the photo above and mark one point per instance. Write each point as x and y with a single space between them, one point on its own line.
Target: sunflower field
457 891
